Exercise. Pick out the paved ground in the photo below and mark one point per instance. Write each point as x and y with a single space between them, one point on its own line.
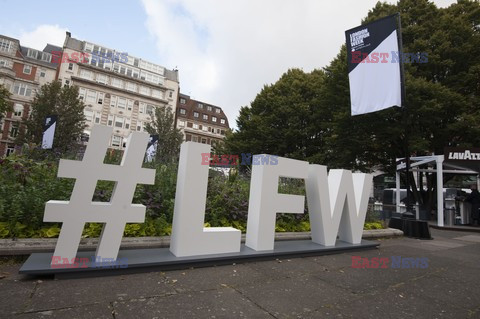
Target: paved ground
313 287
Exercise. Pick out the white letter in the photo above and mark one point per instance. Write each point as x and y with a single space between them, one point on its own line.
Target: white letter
189 237
265 202
337 204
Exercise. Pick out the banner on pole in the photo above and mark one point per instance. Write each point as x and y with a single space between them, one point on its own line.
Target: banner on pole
49 127
152 147
374 66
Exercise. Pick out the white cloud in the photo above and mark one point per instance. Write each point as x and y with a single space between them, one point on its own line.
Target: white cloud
227 50
41 35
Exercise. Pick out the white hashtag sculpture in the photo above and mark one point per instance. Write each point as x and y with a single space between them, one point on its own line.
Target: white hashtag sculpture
115 214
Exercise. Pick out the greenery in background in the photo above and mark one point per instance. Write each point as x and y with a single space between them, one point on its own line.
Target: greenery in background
26 185
53 99
5 105
306 115
169 137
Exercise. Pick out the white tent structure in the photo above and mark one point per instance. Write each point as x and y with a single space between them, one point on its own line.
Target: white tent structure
439 167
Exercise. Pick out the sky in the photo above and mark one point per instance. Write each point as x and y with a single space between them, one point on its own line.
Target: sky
225 50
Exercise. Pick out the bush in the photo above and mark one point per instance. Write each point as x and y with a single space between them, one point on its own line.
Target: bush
26 185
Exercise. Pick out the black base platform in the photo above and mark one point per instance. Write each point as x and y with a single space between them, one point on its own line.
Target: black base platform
138 260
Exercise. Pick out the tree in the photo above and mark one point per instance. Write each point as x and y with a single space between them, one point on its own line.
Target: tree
280 120
53 99
169 137
5 104
442 98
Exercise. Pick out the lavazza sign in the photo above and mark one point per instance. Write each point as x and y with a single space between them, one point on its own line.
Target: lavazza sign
337 203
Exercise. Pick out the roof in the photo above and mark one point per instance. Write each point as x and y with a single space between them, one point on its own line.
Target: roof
24 51
192 106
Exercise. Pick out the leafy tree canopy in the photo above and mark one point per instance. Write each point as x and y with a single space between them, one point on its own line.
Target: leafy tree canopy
307 115
53 99
169 137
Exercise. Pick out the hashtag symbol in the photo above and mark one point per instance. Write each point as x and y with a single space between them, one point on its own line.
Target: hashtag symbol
114 214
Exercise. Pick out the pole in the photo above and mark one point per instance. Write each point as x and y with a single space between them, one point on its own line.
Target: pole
405 114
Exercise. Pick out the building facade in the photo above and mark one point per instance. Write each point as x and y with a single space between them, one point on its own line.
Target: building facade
22 71
200 122
118 89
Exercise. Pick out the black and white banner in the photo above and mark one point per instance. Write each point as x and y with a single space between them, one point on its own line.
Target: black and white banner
152 147
374 66
49 131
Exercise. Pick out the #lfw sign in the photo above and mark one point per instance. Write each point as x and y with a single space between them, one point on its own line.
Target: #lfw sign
337 201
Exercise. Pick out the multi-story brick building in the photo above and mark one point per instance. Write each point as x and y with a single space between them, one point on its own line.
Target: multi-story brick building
119 90
22 71
200 122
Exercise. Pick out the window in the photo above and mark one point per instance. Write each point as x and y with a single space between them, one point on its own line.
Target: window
88 115
43 73
181 123
22 89
100 98
222 121
70 67
118 121
4 63
117 83
129 105
10 149
195 114
139 126
183 111
27 69
98 117
214 119
18 110
101 78
47 57
150 109
91 97
157 94
81 93
144 90
205 117
32 53
217 110
131 86
122 70
5 45
110 120
86 74
170 94
195 126
113 101
194 138
122 102
209 108
141 108
127 124
204 128
67 82
13 130
182 101
222 132
200 105
189 124
116 141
